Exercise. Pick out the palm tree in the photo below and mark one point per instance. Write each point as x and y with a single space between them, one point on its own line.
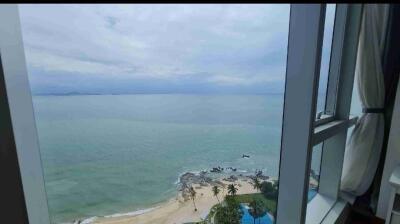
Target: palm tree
228 212
232 190
257 209
193 196
256 183
216 191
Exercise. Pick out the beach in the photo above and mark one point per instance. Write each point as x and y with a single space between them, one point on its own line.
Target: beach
178 210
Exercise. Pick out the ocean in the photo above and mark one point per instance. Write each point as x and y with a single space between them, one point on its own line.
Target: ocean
110 154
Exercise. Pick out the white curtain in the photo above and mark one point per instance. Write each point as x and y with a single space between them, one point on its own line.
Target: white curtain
364 146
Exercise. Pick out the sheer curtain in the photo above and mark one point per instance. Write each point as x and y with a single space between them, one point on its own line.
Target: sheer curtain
364 146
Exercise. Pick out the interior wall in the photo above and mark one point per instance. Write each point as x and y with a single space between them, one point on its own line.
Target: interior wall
391 69
392 158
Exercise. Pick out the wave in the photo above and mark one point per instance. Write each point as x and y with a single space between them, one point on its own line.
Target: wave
134 213
138 212
89 220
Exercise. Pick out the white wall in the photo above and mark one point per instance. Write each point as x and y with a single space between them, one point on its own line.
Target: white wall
392 158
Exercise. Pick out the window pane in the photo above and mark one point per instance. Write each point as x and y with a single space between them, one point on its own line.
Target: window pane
325 58
315 171
313 186
158 113
355 107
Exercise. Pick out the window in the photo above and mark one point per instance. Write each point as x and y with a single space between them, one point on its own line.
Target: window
325 59
315 171
300 132
158 105
306 143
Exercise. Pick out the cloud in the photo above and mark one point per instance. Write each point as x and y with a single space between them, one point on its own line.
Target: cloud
216 45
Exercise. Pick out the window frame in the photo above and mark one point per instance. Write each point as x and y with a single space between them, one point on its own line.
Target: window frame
298 135
22 117
296 154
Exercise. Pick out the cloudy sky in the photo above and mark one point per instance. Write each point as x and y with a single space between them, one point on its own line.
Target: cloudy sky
155 48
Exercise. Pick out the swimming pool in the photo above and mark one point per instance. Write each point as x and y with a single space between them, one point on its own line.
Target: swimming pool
311 194
248 219
267 218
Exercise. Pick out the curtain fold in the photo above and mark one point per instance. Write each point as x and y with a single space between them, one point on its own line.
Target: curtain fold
364 146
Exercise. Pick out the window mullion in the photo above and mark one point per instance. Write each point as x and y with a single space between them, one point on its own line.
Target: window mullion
21 110
343 63
336 54
303 66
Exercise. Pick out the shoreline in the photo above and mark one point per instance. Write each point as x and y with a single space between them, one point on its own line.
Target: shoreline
179 208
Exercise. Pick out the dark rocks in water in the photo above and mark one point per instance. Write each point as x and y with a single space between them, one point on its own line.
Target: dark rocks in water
259 174
245 156
262 177
231 178
217 169
231 168
188 178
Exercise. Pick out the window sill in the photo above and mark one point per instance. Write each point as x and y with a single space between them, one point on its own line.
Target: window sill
336 214
325 210
330 129
318 208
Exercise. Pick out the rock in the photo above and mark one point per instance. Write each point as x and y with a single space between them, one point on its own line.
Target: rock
231 178
217 169
187 179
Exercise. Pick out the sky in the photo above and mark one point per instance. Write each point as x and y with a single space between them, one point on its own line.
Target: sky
116 49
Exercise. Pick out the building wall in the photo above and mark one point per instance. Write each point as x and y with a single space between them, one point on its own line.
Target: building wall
392 158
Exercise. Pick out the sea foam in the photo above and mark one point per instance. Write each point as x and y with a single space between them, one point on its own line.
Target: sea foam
134 213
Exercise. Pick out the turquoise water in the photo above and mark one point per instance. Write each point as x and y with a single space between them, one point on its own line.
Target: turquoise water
267 218
107 154
248 219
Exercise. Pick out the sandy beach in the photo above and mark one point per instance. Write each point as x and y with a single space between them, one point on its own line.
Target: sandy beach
178 211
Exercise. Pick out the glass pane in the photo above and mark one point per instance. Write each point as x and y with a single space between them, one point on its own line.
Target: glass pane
325 59
315 171
158 113
355 107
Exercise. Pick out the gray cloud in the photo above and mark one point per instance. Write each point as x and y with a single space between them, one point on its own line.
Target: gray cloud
219 46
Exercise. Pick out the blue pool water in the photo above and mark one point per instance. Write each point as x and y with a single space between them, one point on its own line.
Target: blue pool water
266 219
311 194
248 219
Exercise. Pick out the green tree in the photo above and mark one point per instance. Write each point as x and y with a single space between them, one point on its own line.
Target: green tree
269 190
257 209
192 193
256 183
216 191
228 212
232 190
